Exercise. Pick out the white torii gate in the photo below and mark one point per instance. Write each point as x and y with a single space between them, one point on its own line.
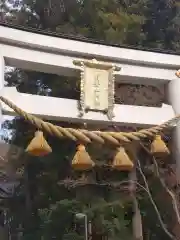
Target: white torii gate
50 54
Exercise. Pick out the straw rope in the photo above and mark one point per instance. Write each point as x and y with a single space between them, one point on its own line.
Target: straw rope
85 136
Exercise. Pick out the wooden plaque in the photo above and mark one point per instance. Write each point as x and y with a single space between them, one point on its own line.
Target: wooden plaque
97 87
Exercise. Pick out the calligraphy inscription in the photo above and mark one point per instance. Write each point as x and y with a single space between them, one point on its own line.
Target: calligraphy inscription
96 88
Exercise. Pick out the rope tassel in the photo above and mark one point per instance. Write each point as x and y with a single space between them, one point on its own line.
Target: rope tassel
82 160
38 145
158 147
121 161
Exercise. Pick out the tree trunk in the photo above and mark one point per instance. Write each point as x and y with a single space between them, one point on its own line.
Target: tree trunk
136 220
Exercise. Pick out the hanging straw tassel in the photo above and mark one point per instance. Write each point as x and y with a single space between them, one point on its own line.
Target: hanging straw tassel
158 147
121 161
38 145
82 161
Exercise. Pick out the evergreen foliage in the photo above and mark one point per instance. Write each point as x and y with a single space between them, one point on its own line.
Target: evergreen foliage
43 207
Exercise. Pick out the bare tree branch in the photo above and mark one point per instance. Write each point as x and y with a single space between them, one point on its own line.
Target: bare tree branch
170 193
153 203
117 185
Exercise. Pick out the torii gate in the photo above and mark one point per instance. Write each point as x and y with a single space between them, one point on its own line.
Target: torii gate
39 52
50 54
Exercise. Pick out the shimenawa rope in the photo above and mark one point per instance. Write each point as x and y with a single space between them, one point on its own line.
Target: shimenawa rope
85 136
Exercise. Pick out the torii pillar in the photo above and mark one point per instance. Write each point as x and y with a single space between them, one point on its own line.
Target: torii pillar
173 90
2 70
3 230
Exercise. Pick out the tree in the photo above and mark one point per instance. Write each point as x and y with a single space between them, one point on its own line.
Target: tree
50 203
159 28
